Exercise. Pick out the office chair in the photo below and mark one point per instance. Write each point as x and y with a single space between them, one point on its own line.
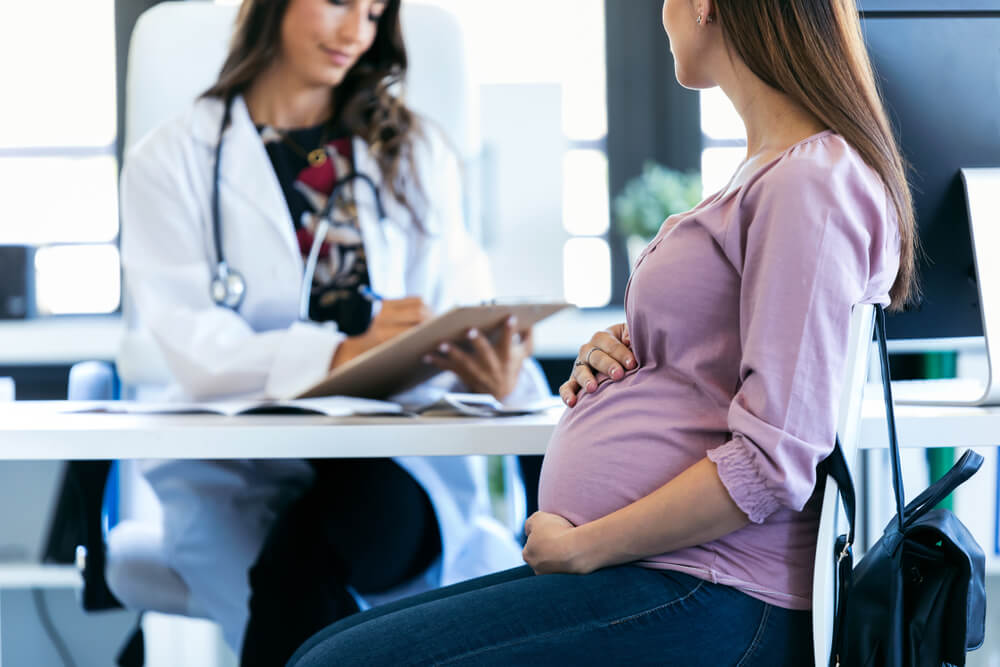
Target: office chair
176 51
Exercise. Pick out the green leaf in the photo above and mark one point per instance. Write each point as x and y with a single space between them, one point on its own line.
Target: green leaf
652 197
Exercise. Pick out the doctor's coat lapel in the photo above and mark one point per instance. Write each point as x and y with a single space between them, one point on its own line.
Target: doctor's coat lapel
246 170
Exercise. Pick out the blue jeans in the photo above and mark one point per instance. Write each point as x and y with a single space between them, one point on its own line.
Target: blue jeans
624 615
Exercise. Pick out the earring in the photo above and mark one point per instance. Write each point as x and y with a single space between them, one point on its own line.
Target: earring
698 20
710 19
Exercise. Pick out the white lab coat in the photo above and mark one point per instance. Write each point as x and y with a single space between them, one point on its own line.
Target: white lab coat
216 514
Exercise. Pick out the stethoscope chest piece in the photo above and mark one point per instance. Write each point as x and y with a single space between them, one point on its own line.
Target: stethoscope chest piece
228 287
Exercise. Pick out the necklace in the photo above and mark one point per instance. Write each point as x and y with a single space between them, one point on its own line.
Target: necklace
316 157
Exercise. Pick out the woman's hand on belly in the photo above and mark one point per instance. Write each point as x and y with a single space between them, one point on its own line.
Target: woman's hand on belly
551 547
608 352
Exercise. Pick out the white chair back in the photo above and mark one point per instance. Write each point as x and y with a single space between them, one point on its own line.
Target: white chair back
175 55
178 48
832 517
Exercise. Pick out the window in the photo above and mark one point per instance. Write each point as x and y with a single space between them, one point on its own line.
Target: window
543 62
724 140
57 157
57 152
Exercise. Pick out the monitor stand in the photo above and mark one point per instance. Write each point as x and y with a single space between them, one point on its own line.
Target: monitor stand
982 189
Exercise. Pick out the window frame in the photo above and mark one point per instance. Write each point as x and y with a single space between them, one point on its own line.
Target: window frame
650 116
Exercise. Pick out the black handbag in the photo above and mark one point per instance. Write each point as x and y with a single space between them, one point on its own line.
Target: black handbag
917 598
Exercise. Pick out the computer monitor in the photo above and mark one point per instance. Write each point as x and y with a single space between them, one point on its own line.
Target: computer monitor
937 63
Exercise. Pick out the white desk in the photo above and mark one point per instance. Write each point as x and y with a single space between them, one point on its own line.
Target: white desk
37 431
14 576
930 426
59 340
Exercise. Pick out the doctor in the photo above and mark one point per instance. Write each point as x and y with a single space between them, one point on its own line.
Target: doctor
302 151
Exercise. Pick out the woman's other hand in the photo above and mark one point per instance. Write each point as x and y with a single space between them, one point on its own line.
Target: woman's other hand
551 547
608 352
484 367
395 316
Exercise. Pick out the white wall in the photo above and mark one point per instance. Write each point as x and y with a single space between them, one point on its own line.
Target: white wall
522 188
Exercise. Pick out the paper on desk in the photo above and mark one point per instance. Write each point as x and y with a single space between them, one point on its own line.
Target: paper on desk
447 403
330 406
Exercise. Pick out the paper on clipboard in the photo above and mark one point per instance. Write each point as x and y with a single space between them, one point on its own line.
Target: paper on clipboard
397 365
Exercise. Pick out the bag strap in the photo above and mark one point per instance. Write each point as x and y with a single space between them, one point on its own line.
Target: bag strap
836 467
966 467
890 418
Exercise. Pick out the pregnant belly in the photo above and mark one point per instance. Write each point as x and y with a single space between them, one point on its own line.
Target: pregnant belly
624 442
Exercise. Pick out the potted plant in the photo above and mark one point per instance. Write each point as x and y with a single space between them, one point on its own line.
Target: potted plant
649 199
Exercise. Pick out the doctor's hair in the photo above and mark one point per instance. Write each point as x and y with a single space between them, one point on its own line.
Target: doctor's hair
366 102
814 52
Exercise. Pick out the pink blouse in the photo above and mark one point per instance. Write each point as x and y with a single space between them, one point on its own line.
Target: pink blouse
738 312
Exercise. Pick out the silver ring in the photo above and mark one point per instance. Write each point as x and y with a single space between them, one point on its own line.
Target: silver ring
586 359
579 363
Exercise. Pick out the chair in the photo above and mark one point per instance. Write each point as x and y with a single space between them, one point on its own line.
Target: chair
832 517
176 51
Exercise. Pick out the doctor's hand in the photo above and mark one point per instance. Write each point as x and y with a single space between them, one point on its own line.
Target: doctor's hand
553 547
608 353
396 316
484 367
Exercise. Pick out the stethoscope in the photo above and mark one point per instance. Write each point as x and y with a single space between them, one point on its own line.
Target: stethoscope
228 287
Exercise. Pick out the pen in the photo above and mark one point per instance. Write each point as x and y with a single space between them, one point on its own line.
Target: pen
369 294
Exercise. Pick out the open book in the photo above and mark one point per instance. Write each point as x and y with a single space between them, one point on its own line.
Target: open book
330 406
431 404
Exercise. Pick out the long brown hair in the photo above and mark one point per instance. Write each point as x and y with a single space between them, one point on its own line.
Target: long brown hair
813 51
366 102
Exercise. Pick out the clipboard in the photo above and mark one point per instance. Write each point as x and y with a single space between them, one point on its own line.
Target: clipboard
396 365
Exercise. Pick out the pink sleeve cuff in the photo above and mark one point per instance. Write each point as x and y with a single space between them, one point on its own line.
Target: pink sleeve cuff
740 476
